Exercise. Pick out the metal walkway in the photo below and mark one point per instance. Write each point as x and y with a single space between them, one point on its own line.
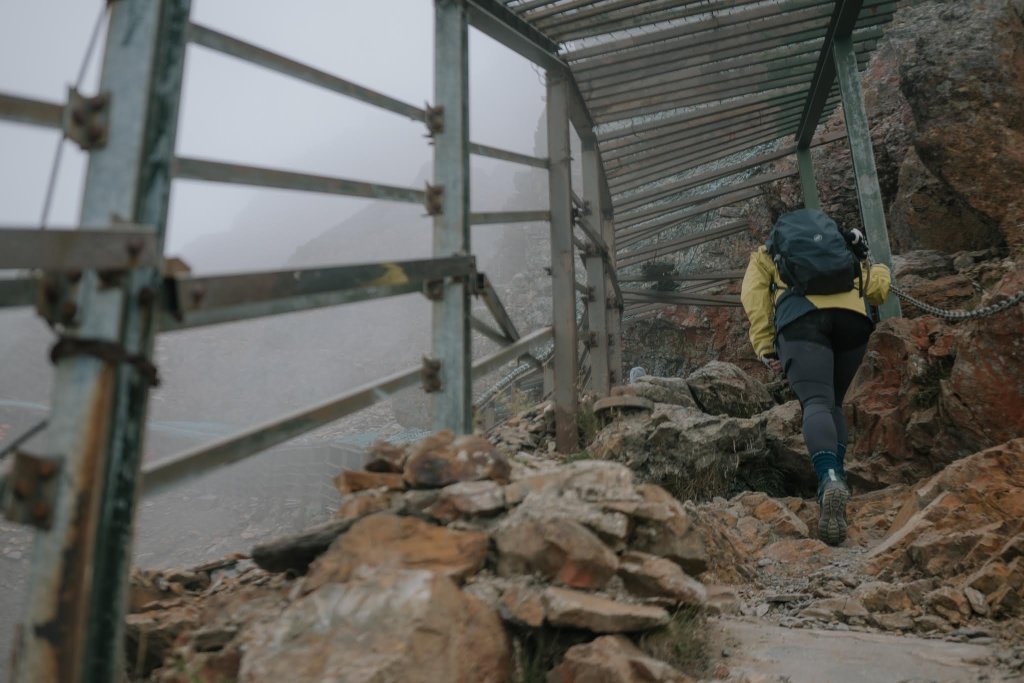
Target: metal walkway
676 104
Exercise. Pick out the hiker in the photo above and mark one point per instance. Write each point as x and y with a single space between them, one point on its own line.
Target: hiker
806 293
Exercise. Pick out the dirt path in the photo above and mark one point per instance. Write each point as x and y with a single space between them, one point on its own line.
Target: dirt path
822 656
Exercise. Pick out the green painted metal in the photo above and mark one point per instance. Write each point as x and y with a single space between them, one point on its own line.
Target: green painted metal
563 295
220 172
76 597
639 199
234 47
596 265
664 210
808 186
451 327
33 112
197 301
160 96
505 155
660 249
115 248
506 217
737 42
869 194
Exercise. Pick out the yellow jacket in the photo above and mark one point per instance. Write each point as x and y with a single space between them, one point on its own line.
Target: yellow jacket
756 296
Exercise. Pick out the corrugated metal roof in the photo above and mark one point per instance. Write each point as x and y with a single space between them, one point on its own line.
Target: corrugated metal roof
688 93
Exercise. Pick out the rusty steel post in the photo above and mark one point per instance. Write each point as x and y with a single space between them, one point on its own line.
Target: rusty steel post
453 404
563 276
73 631
597 275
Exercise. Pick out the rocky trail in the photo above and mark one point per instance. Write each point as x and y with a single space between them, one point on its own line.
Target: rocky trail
473 559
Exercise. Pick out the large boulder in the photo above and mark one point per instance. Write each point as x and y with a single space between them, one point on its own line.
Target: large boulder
688 452
671 390
386 541
725 389
392 626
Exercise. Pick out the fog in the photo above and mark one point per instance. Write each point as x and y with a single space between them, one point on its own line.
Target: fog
237 112
218 380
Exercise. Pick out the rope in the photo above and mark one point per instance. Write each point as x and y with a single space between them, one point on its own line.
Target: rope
959 315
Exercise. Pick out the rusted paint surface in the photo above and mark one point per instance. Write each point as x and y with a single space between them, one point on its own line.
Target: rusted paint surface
59 632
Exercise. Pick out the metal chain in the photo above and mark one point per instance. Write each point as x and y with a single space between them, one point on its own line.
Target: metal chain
959 315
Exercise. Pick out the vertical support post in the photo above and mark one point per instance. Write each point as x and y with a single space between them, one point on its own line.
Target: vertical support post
614 311
808 186
563 276
597 275
451 314
74 626
869 194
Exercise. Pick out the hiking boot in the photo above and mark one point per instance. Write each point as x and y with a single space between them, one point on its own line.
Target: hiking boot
832 498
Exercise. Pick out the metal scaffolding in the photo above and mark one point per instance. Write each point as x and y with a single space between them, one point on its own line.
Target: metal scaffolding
662 100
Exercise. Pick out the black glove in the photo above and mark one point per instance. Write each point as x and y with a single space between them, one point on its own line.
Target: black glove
857 243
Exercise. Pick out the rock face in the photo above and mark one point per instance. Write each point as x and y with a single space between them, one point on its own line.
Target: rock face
965 522
725 389
930 392
392 626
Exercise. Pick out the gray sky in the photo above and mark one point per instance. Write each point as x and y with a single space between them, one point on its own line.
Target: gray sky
236 112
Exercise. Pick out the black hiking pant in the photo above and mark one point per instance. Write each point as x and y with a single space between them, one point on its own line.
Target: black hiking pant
820 353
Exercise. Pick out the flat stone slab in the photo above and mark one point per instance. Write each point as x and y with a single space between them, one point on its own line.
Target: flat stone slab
814 656
622 403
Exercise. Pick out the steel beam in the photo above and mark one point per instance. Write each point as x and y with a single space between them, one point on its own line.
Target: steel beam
197 301
808 186
220 42
665 248
33 112
116 248
486 291
506 217
869 194
645 197
732 42
637 218
76 597
451 327
689 277
597 278
220 172
841 25
563 305
680 78
505 155
505 26
605 21
626 239
645 43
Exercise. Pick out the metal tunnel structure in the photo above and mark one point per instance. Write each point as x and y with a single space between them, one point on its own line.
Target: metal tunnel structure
677 104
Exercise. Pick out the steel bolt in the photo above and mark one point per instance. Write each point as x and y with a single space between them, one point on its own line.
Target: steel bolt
22 489
40 510
134 246
46 469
